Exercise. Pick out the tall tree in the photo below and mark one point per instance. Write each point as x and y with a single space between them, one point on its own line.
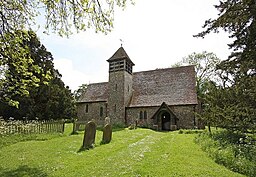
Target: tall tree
238 18
51 100
61 16
19 71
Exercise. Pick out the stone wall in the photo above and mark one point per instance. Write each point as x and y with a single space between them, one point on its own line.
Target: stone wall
120 91
94 112
128 88
133 114
185 114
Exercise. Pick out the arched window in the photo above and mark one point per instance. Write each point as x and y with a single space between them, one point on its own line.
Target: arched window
115 108
101 111
141 115
86 108
145 115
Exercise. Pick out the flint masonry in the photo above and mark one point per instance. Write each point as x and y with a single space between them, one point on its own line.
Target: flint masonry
162 99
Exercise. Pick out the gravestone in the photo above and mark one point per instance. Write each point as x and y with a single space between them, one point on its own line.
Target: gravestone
107 120
89 135
107 134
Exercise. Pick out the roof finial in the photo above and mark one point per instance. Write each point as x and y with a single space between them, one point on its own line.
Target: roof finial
121 42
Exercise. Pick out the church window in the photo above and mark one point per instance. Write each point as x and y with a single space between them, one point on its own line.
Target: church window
145 115
101 111
86 108
141 115
116 87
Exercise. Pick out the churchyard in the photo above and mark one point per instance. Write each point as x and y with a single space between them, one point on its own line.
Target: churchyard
135 152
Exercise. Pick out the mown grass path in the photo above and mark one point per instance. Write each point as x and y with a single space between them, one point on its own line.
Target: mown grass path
139 152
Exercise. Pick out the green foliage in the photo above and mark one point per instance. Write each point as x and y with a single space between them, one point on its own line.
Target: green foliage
17 16
189 131
205 67
141 152
234 150
228 108
48 98
60 16
233 102
19 71
205 64
80 91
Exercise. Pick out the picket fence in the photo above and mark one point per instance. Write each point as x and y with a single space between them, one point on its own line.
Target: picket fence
31 127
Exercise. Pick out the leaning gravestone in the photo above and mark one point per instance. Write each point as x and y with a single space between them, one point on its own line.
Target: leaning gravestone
107 134
89 135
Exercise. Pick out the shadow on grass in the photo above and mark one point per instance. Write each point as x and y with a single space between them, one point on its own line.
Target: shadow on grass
74 133
82 149
23 171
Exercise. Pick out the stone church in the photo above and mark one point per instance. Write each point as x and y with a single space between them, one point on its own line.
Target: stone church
161 99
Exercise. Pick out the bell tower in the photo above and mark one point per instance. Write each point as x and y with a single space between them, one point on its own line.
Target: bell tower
120 85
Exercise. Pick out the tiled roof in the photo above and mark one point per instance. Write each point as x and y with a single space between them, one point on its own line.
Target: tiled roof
120 54
95 92
174 86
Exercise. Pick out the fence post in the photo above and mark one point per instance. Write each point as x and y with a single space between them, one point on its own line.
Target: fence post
74 126
63 126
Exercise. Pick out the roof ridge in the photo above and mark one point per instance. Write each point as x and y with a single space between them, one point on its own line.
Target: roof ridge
161 69
98 83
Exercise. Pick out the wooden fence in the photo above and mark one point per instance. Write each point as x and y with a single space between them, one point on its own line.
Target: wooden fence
31 127
79 125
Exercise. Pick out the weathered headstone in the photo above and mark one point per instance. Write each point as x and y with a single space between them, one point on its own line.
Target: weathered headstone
107 120
107 134
89 135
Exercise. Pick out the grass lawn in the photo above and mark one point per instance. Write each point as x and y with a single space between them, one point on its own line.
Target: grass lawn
139 152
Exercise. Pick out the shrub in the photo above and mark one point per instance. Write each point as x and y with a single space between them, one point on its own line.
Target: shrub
234 150
190 131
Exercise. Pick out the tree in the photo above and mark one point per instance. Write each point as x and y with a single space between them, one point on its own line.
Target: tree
78 93
61 16
45 101
238 18
18 70
205 67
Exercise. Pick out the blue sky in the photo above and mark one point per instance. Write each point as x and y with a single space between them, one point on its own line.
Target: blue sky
156 34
